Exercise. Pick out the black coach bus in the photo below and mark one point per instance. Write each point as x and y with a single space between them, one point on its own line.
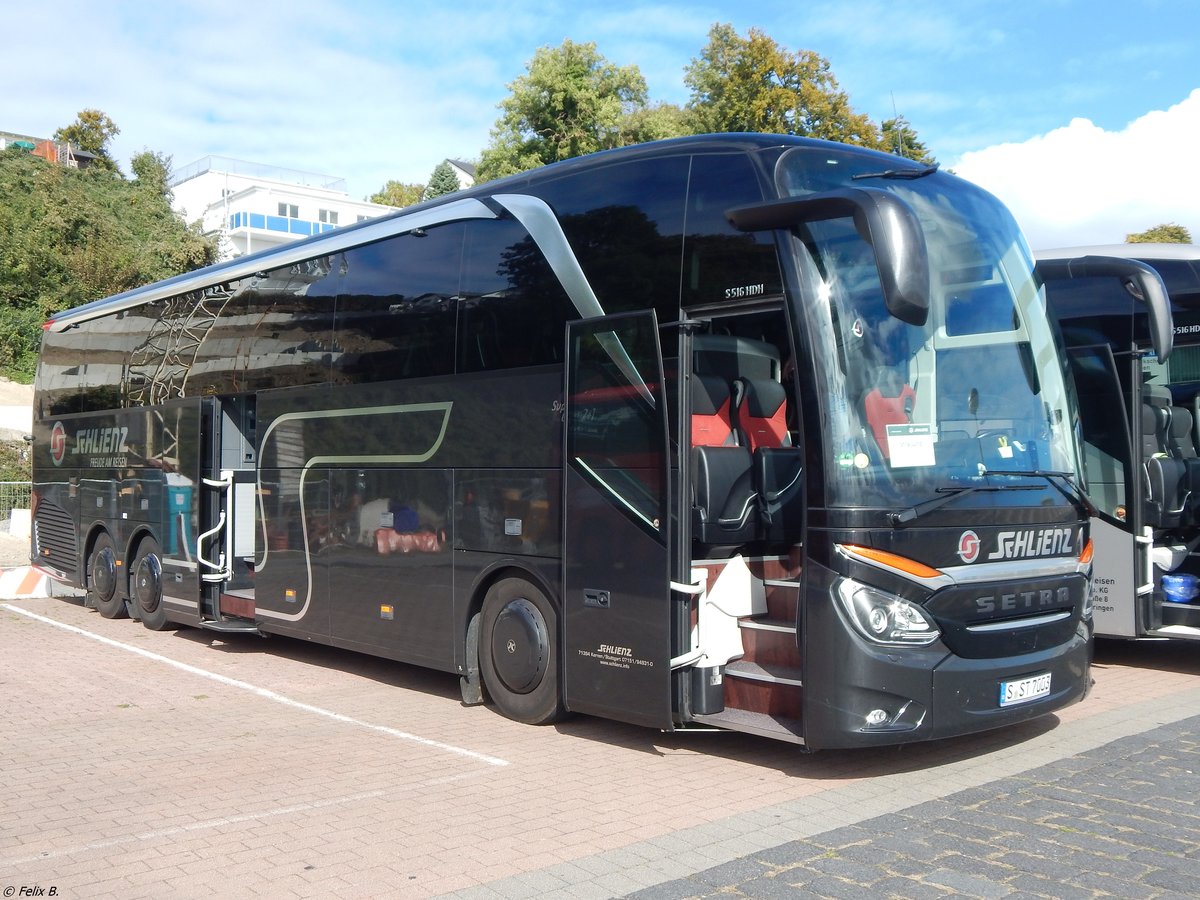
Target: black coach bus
743 431
1130 315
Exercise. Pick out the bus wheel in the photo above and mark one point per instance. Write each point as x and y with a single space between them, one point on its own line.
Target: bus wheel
146 585
518 652
102 579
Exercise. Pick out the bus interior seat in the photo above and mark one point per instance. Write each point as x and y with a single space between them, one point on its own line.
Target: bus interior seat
889 401
712 412
761 413
1167 500
725 503
762 421
1182 445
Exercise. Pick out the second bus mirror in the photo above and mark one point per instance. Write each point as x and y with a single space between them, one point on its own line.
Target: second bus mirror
883 220
1142 282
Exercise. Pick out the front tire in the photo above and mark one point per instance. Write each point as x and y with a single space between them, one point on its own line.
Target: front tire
518 652
145 585
102 579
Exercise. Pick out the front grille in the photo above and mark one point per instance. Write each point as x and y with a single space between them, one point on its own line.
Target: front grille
54 537
1007 618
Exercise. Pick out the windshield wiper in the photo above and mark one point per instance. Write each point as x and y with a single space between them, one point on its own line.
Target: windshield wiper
1063 482
950 493
898 173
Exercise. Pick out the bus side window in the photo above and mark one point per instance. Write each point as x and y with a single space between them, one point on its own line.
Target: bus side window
720 262
512 309
396 309
626 236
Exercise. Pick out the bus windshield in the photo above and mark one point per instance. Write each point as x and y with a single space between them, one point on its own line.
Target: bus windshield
913 412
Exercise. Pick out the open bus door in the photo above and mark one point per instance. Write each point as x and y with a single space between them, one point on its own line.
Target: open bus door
616 523
226 498
1122 580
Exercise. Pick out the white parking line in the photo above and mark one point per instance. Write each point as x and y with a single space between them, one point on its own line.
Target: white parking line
184 829
144 836
263 692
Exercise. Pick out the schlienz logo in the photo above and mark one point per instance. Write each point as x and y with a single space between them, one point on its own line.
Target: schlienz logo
1032 542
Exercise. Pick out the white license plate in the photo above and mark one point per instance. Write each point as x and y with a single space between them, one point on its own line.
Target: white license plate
1024 690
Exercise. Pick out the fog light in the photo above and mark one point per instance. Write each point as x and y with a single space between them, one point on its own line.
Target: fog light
877 717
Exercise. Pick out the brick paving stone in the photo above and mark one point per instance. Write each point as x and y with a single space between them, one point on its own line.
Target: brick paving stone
207 789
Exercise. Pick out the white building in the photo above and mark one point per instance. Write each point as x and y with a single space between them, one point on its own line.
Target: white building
254 207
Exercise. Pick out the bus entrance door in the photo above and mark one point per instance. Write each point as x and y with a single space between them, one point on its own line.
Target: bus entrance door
1113 463
225 546
616 521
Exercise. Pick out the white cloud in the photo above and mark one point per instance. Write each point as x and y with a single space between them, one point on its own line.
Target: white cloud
1083 185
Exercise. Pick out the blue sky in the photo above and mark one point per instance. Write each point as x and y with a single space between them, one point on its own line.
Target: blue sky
1082 115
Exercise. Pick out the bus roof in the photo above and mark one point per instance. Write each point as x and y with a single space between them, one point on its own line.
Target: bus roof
1125 251
470 203
1178 264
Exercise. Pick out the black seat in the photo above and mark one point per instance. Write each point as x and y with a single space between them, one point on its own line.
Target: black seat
1182 446
1168 497
725 503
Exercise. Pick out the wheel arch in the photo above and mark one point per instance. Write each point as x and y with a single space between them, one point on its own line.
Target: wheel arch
139 534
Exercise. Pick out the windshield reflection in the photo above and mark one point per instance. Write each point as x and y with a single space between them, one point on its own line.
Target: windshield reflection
979 388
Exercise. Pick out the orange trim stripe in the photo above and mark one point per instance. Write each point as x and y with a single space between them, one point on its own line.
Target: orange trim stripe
892 560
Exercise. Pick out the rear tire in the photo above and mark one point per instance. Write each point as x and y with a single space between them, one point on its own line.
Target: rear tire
102 579
518 652
145 585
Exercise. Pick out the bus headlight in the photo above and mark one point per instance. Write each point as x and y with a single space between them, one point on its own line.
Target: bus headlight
885 618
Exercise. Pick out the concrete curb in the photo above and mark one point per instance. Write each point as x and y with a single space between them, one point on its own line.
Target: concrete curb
23 581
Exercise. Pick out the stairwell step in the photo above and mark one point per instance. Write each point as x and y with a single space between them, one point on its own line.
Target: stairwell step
227 627
776 674
761 724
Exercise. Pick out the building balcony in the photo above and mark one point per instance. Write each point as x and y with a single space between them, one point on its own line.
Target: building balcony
250 221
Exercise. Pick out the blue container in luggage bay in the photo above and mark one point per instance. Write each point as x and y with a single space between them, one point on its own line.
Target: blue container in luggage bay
1180 588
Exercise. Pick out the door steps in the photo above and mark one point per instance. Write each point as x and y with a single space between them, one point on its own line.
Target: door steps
230 626
756 723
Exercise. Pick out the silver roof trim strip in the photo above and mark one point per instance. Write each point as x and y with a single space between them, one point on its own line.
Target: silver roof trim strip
333 242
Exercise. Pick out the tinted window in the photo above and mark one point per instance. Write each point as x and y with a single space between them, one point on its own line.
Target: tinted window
513 310
270 330
625 224
720 262
396 312
59 368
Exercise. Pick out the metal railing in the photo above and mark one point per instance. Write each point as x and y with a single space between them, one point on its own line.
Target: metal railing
13 495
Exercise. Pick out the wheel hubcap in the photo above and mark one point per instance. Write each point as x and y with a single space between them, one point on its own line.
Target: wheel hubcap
520 646
104 573
147 585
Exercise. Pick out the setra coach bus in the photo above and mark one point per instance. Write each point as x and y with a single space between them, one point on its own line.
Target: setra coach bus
1130 316
740 431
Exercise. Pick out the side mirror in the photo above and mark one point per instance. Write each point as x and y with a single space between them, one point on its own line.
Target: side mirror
883 220
1142 282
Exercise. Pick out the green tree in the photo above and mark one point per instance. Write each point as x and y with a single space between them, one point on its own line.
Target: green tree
897 136
72 235
398 194
441 182
753 84
570 101
654 123
91 131
153 172
1161 234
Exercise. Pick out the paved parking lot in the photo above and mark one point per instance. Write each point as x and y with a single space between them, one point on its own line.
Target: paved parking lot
187 764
